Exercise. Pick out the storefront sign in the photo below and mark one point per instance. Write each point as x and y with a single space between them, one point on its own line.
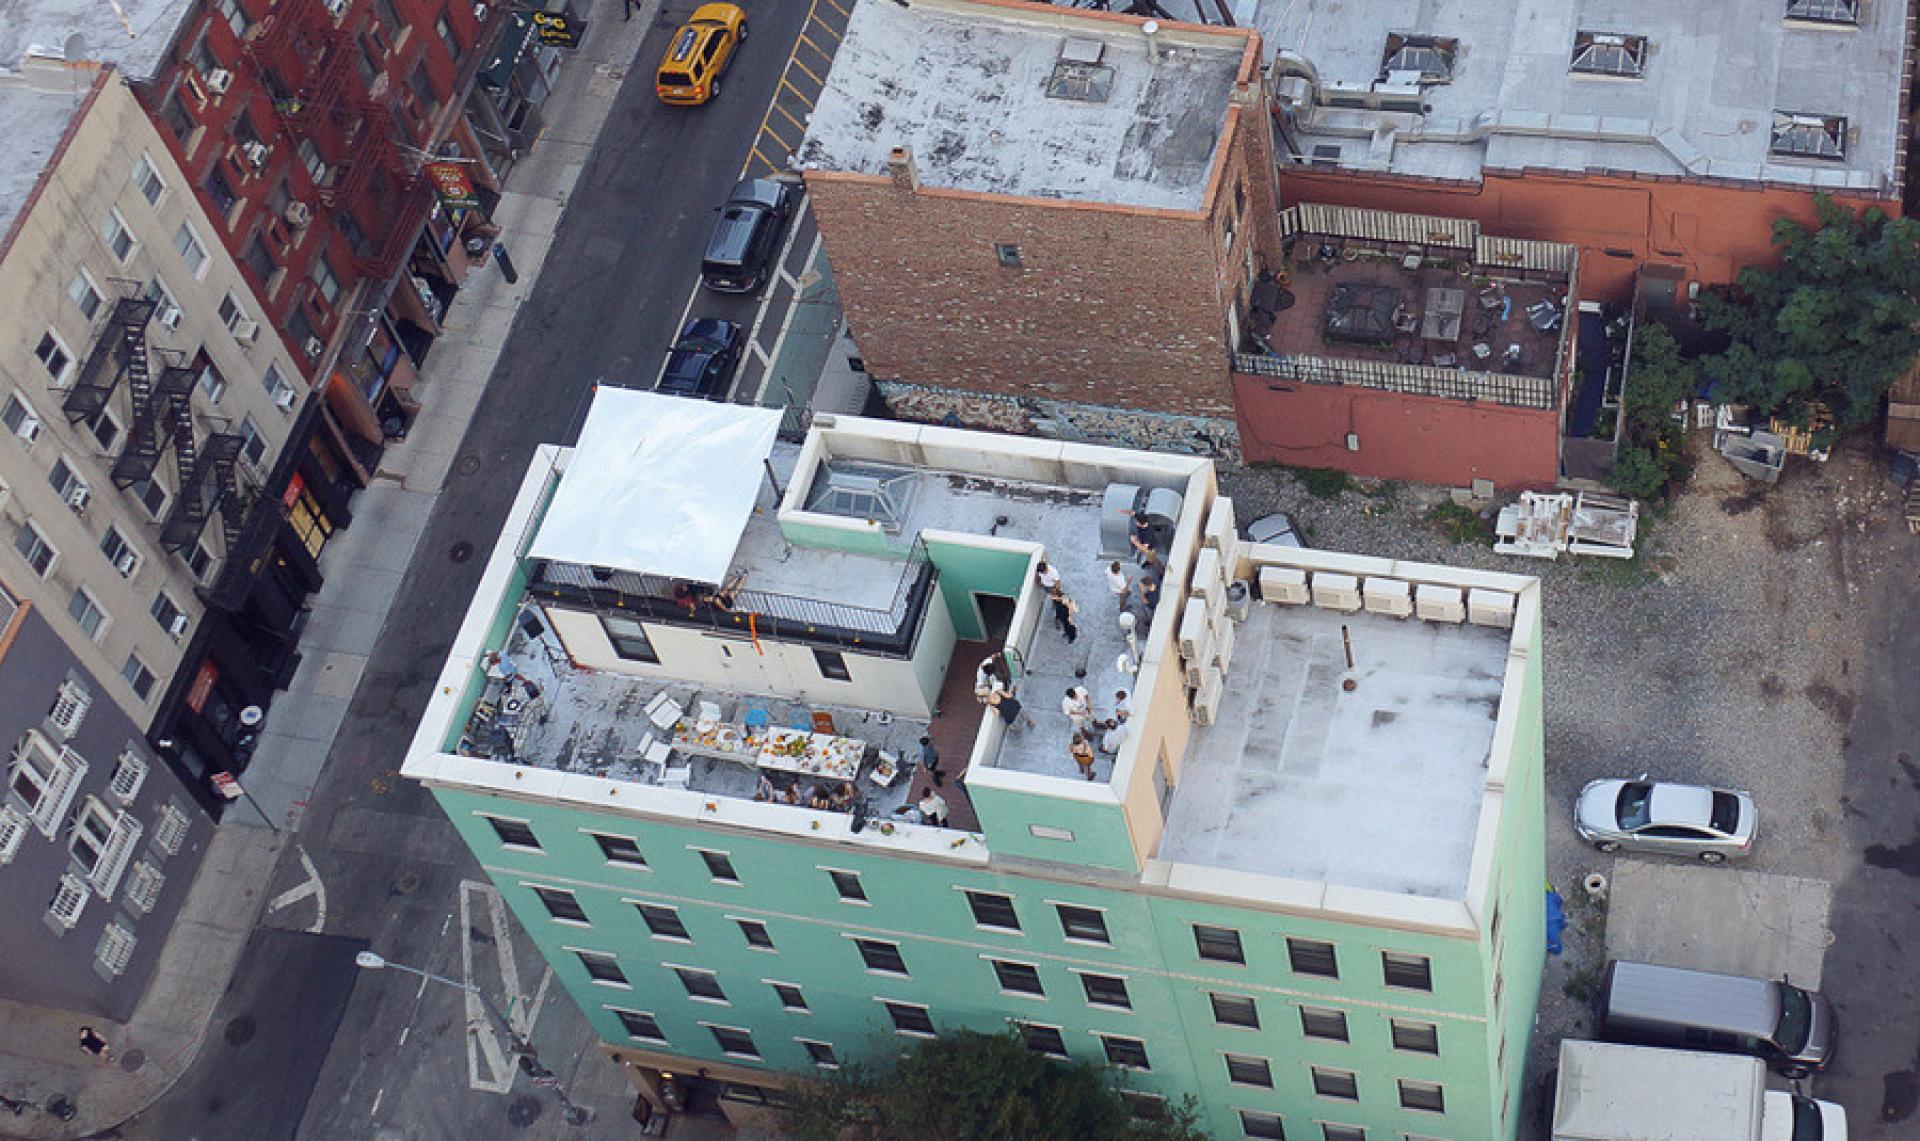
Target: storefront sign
295 486
558 30
451 183
202 686
226 786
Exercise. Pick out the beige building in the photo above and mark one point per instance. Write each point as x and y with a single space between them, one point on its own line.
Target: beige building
142 399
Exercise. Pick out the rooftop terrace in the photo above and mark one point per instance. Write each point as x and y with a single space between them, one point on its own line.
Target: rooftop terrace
987 99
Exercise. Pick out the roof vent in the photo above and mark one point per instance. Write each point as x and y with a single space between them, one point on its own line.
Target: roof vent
872 492
1082 82
1081 51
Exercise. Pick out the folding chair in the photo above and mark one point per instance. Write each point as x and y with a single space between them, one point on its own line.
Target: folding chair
664 712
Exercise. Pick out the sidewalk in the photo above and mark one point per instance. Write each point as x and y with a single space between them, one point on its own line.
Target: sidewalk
364 565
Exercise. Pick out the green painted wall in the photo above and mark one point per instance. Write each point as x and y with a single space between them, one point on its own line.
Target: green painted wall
1100 836
966 570
496 637
866 542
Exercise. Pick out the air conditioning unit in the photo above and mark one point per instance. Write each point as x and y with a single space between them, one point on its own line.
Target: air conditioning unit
283 399
1223 647
320 172
256 154
315 346
1392 596
336 7
246 330
1206 702
29 429
1207 581
178 628
1335 591
78 495
1490 608
218 80
169 316
1435 603
299 214
1286 585
127 563
1195 636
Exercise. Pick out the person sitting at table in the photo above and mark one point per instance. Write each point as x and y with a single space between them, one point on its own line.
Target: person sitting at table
842 796
933 808
788 795
817 798
764 790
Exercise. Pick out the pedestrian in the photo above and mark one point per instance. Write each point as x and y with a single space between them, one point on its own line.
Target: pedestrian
1063 611
1149 591
986 680
1122 703
1118 582
1007 706
1115 734
933 808
930 760
92 1043
629 5
1078 707
1082 753
1046 576
1141 537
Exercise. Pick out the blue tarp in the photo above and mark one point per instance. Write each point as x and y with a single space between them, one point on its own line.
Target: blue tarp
1556 921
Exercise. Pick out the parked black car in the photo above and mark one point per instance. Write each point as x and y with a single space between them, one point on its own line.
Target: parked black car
702 359
746 238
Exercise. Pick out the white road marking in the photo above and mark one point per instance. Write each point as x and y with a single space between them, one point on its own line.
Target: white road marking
484 1045
311 886
786 323
375 1111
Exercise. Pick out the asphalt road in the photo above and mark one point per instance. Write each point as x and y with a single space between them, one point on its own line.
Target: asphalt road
404 1060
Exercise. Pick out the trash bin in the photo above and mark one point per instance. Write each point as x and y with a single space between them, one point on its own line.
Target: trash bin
1239 599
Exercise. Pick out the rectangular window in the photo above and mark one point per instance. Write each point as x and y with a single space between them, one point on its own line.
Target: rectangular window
882 957
33 548
734 1042
277 386
1235 1010
703 985
199 561
755 933
1219 944
422 88
848 885
157 292
1245 1070
663 921
236 16
93 828
513 833
256 257
790 998
118 237
448 40
324 281
639 1025
52 353
1427 1097
120 553
832 665
187 244
169 616
151 495
1007 254
85 294
65 481
602 967
909 1019
1262 1126
1044 1040
1127 1053
19 418
1406 972
253 445
1340 1084
719 866
104 429
1019 978
1144 1106
1083 923
1320 1022
1415 1037
129 773
146 178
990 909
629 639
232 313
138 676
1312 957
309 153
1106 990
221 192
211 383
83 609
562 905
619 850
1331 1132
819 1053
175 115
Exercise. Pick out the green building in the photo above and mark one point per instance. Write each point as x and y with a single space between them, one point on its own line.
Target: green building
1305 886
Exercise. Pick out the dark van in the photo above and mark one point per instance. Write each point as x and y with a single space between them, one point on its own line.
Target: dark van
1792 1029
746 236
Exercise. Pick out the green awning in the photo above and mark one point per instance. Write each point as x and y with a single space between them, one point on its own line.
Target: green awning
513 44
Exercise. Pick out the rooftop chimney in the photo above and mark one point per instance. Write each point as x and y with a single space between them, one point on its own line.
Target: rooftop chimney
1151 30
901 170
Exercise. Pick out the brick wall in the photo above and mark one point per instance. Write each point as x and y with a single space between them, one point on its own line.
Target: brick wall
1176 432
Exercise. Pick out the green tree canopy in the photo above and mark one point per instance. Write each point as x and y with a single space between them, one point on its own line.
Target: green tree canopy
968 1086
1833 323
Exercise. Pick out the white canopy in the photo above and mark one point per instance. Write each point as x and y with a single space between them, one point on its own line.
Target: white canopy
659 485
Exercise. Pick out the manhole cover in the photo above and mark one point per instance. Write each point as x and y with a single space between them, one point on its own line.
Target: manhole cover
132 1060
406 883
241 1030
523 1111
461 551
468 465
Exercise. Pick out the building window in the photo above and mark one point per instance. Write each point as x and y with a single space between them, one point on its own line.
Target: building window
138 676
187 244
199 561
1045 1041
93 828
1340 1084
19 418
276 385
151 495
1219 944
663 922
33 548
513 833
755 933
1320 1022
1007 254
256 257
619 850
448 40
848 885
118 236
1126 1053
1244 1070
157 292
422 88
1262 1126
1427 1097
819 1053
236 16
169 616
253 445
702 985
316 167
1235 1010
389 19
639 1025
84 294
1018 978
174 114
1106 990
719 866
104 428
70 897
1312 957
562 905
832 665
1085 924
882 957
129 773
231 314
221 193
910 1020
629 639
324 281
143 888
602 967
991 909
791 999
171 831
120 553
1406 972
1331 1132
13 832
66 482
1144 1106
1415 1037
1421 59
84 610
734 1042
53 355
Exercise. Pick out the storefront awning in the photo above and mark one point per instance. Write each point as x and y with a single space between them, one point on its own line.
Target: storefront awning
513 44
659 485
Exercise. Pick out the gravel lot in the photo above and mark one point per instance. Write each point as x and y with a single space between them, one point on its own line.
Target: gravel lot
1720 656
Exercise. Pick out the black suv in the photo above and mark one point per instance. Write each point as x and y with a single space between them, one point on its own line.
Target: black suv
702 359
746 238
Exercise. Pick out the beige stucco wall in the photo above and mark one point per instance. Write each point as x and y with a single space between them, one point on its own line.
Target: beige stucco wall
58 237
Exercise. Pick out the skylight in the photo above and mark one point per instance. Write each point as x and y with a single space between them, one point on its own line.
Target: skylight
1809 136
1421 59
1610 54
1845 12
864 491
1084 82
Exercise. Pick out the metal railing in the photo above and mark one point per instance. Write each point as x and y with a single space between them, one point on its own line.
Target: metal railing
1411 379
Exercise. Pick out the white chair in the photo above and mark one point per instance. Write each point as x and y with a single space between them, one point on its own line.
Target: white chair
676 777
655 752
708 713
664 712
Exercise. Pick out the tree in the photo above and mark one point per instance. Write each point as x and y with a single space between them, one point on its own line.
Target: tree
968 1086
1651 451
1834 323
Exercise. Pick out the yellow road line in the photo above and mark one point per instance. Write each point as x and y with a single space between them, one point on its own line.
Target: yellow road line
797 94
843 11
795 62
766 120
771 165
824 53
777 137
790 118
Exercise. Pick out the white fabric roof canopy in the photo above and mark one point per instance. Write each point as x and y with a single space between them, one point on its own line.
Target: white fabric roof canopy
659 485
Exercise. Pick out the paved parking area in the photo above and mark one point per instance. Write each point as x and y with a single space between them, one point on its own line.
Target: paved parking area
1719 919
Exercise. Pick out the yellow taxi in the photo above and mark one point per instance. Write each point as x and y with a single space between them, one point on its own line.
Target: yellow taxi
699 52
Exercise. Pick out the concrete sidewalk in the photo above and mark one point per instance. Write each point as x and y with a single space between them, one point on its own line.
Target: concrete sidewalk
40 1060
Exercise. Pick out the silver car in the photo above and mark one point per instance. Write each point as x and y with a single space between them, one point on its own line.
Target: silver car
1676 819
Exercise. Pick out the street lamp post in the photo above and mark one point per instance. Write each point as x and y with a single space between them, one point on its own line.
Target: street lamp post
522 1047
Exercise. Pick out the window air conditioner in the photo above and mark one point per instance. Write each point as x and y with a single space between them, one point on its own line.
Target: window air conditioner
245 330
299 213
179 626
78 495
336 7
218 80
170 316
315 346
127 563
283 399
256 154
29 429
